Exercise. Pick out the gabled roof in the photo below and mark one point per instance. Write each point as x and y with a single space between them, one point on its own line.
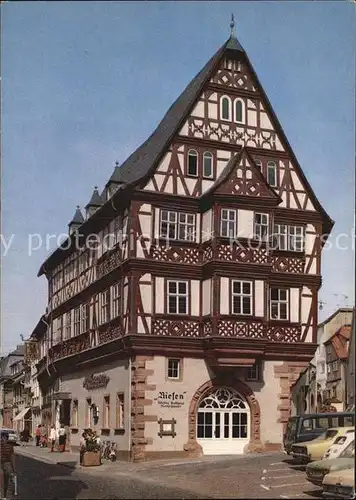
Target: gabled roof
339 341
230 167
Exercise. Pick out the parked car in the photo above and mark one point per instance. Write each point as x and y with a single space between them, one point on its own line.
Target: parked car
316 471
340 484
315 449
302 428
340 444
12 435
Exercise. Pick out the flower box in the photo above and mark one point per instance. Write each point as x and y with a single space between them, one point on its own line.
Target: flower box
91 458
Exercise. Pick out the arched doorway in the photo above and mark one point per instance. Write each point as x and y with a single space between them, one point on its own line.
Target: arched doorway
223 422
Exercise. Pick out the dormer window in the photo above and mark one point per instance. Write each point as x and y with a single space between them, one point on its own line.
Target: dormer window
192 163
207 165
239 109
272 173
225 108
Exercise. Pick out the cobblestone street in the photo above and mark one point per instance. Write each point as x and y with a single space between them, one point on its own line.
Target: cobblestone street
248 476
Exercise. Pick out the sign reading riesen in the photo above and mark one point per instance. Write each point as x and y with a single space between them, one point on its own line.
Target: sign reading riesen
170 399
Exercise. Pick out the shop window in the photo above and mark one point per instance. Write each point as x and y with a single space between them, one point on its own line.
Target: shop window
106 413
74 422
120 411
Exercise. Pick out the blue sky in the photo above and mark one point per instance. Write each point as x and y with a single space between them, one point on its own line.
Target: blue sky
84 83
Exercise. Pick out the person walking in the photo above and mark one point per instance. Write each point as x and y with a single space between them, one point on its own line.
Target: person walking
62 437
38 434
25 436
7 463
43 434
53 437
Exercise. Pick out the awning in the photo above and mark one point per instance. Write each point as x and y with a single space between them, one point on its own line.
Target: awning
21 415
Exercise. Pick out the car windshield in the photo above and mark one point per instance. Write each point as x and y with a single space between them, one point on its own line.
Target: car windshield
349 451
329 434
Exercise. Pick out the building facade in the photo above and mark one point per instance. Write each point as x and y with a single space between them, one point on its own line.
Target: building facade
180 330
337 351
350 370
6 386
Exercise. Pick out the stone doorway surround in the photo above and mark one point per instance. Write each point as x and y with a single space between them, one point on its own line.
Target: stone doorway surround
192 447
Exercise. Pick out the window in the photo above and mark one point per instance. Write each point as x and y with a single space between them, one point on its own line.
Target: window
88 414
322 368
177 297
120 423
116 300
192 163
76 321
207 164
84 318
253 372
329 368
239 111
279 303
173 369
106 413
272 173
177 226
296 238
242 297
225 108
335 366
261 227
280 237
322 423
68 325
105 307
228 223
74 422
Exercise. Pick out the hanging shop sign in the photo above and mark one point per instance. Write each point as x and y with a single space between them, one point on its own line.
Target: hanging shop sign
170 399
95 382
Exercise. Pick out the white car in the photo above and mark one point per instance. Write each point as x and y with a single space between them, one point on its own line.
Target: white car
339 445
12 435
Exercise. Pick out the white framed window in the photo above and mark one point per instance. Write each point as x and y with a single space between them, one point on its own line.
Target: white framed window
192 168
272 173
280 237
279 303
177 297
239 110
120 410
225 108
207 165
106 413
296 238
77 321
261 227
228 226
253 372
177 225
84 318
115 300
105 306
68 325
74 420
88 416
173 369
242 297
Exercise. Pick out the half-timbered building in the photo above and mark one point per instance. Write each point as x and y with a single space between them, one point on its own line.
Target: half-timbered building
184 303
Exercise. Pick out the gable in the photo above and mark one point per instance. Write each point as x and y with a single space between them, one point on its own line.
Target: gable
243 178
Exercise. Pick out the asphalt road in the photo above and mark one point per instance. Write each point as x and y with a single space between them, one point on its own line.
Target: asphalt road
38 480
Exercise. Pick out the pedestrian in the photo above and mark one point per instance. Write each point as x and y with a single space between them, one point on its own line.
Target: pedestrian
25 436
43 440
38 434
7 463
52 437
62 437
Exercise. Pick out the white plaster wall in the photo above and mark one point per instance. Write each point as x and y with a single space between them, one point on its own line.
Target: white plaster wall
199 109
265 121
206 288
306 304
224 296
251 118
206 226
267 395
163 165
294 304
156 227
195 297
119 375
245 223
159 295
146 294
259 298
195 374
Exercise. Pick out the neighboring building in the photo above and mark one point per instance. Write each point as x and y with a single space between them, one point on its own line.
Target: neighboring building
6 386
350 372
21 402
337 351
184 337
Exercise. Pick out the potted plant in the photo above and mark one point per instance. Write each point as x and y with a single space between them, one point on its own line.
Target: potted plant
90 451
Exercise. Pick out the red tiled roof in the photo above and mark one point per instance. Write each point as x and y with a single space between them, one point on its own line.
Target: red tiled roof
339 341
